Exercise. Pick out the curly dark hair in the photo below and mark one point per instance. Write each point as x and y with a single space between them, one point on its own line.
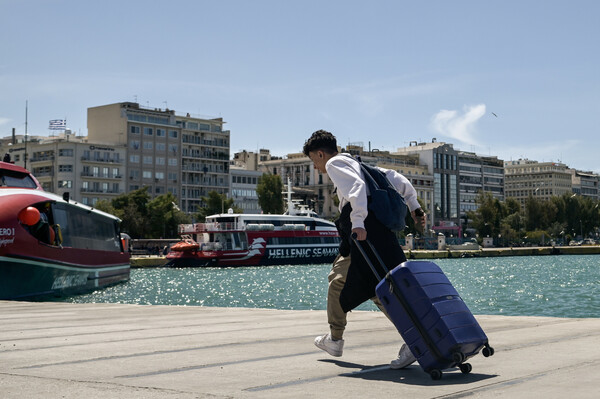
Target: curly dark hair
321 140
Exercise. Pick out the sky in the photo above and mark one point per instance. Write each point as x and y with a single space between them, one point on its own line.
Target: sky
512 79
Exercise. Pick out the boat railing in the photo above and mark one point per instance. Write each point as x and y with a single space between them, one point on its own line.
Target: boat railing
204 227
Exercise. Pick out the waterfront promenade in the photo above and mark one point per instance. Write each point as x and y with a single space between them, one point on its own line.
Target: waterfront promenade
73 351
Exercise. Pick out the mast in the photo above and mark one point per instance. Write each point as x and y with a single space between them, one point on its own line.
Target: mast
290 205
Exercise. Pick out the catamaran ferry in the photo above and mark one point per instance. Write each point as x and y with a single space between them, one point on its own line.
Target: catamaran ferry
297 237
255 240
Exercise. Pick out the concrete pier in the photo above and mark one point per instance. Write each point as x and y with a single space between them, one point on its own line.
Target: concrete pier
62 350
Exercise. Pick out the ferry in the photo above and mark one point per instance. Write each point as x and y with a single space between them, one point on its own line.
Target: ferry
297 237
51 245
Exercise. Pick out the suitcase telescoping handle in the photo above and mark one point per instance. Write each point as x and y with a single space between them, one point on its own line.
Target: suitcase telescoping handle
367 259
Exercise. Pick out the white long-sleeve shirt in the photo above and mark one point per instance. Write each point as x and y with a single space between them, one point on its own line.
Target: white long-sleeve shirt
346 174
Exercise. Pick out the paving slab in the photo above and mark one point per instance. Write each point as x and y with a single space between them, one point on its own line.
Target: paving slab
64 350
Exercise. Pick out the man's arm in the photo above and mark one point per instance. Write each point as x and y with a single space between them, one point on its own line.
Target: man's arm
351 188
408 192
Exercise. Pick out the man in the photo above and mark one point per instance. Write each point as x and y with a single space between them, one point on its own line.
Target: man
351 282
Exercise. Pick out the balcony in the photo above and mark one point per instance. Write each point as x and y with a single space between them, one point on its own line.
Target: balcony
102 160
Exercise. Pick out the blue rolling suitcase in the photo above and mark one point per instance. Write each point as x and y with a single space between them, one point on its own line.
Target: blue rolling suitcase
432 318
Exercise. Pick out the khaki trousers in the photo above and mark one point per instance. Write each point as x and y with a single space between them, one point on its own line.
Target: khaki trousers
335 315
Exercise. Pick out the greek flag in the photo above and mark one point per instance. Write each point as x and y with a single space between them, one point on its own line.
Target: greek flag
58 124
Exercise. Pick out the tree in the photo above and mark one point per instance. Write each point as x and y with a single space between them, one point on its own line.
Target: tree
215 203
269 189
132 209
106 206
486 219
165 216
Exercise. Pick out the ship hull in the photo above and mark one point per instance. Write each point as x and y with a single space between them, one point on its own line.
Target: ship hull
30 277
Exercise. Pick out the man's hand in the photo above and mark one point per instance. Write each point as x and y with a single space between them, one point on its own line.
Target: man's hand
361 234
420 219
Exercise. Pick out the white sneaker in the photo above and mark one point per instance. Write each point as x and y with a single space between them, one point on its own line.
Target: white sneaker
334 348
405 358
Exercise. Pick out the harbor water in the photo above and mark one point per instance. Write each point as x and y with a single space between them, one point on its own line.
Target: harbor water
559 286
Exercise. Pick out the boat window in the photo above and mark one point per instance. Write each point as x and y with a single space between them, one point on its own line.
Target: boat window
86 230
43 229
9 178
236 241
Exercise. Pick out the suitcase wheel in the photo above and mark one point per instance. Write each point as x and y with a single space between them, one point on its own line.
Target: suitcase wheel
465 368
487 351
435 374
458 357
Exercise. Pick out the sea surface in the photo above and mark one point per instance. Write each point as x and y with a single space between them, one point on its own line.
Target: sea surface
560 286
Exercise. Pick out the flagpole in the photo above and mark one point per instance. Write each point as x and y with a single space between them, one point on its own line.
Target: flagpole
25 157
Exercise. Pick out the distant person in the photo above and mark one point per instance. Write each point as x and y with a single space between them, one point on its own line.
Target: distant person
351 281
6 158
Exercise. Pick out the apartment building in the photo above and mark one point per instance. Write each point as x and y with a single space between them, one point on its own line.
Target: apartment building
585 183
88 171
441 160
477 174
524 178
243 188
181 154
313 188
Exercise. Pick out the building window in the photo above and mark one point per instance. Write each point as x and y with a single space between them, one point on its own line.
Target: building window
159 175
172 161
173 133
67 152
105 172
65 183
134 158
65 168
160 133
148 160
134 129
160 160
95 171
115 172
160 146
135 144
148 131
148 145
134 173
147 174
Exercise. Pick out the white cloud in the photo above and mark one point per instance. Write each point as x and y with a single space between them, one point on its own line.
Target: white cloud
459 126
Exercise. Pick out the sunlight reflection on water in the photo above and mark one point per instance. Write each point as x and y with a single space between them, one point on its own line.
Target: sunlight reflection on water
561 286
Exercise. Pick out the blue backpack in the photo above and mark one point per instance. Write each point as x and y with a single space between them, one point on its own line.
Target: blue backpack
385 201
